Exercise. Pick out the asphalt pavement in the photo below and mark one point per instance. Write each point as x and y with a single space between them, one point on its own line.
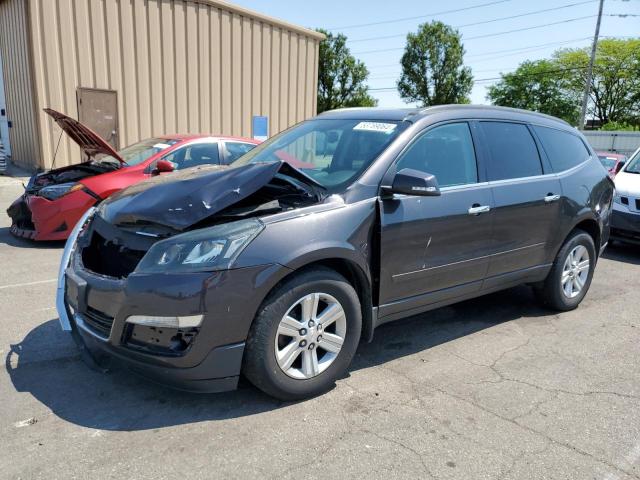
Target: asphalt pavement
492 388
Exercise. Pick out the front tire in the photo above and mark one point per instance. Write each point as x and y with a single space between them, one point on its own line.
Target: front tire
571 274
304 336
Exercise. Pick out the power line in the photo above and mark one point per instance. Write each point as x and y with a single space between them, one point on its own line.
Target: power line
509 52
527 50
479 80
482 22
397 20
495 34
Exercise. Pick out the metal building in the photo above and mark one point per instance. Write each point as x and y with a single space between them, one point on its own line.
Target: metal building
131 69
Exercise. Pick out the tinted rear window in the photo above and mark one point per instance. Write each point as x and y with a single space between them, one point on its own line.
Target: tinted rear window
564 149
512 149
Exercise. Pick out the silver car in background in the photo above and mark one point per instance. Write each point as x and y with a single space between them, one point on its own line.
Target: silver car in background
625 220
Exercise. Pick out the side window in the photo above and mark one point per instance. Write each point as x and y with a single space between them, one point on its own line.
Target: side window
513 151
446 152
194 155
564 149
236 149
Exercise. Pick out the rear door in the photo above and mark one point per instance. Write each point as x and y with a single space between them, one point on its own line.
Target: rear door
436 248
526 195
233 150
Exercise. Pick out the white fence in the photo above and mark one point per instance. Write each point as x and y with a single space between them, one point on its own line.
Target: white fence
618 142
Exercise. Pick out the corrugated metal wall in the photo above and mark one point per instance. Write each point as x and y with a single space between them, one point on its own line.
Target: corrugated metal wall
14 49
177 65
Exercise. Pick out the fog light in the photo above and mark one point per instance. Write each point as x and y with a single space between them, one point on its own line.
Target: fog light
167 322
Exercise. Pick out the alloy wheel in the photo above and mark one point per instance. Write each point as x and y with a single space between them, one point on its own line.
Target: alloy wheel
575 271
310 335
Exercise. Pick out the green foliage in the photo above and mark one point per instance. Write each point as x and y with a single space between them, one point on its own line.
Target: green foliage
537 86
432 67
556 86
620 126
615 85
341 77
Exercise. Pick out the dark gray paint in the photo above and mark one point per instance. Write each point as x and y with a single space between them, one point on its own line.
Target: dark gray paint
410 253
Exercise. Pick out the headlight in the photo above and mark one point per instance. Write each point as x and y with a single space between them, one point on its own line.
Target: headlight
209 249
53 192
617 198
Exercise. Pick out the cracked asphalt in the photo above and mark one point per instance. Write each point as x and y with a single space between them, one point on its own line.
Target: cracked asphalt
493 388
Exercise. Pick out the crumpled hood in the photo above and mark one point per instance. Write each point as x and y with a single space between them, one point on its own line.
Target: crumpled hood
187 197
627 184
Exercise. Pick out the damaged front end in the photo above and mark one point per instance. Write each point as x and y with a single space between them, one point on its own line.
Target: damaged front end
139 279
34 212
200 208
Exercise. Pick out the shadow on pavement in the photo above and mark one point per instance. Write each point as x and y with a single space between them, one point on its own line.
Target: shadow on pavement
119 400
8 239
623 252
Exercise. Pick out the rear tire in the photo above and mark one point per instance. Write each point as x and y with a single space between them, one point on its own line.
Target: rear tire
290 354
570 277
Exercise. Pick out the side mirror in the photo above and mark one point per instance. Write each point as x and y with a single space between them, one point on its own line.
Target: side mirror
414 182
164 166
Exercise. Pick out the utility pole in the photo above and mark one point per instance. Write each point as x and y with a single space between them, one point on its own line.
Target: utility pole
587 84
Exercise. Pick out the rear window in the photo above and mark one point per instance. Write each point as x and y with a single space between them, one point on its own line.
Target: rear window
564 149
512 149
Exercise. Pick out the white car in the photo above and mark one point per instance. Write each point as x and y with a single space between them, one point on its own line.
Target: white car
625 222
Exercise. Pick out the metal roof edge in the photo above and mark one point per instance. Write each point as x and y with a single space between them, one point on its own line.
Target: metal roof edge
262 17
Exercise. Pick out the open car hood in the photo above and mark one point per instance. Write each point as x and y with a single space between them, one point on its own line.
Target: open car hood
187 197
89 141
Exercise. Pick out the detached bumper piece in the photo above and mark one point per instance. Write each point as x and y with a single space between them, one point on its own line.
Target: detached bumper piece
21 220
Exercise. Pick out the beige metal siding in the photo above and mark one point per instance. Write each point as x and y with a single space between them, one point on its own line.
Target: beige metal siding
178 66
14 50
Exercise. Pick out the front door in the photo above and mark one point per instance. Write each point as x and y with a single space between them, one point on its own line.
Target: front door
4 119
436 248
98 110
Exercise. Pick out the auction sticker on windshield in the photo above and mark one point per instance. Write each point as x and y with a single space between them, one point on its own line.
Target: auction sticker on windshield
376 127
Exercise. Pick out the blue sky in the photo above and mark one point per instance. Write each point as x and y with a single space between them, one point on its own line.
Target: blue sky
486 56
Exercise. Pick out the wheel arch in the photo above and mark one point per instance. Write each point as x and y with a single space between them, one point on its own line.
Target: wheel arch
592 227
354 273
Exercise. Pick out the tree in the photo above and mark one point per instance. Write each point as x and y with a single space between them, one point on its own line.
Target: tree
341 77
615 86
432 67
539 86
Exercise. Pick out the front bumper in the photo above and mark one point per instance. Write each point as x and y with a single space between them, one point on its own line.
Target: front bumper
625 226
211 362
37 218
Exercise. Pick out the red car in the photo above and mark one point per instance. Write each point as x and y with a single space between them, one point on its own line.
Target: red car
613 162
55 200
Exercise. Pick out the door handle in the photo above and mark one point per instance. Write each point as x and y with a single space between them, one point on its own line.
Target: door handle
478 209
551 198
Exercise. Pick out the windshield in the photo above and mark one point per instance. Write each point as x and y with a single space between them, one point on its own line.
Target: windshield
633 165
139 152
607 162
334 152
